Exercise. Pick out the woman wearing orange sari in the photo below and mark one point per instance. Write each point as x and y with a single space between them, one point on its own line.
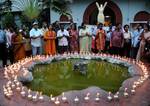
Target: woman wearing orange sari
100 38
49 38
18 46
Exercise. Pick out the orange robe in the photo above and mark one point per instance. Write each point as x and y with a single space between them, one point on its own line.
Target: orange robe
18 47
50 46
100 40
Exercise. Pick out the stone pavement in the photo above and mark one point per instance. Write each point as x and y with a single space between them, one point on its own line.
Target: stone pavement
141 98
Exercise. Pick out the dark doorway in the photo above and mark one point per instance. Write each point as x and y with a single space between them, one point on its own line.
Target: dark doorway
107 12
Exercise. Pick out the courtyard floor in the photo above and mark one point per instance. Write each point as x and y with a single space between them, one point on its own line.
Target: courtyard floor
141 98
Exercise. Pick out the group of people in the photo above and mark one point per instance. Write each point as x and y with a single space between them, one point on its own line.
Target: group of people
54 38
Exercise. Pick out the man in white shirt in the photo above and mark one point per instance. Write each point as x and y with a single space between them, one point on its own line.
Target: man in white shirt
36 37
63 36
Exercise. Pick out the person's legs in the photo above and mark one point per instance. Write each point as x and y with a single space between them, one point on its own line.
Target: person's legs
39 50
11 54
34 50
3 54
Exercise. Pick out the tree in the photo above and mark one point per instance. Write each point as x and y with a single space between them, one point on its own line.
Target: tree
8 20
59 6
30 8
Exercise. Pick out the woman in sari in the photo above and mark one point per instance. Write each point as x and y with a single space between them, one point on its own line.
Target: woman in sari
84 40
145 41
18 46
73 39
49 38
100 38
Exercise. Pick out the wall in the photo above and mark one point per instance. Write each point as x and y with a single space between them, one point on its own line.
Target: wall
128 7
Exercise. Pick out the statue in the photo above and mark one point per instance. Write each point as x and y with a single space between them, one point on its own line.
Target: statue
100 17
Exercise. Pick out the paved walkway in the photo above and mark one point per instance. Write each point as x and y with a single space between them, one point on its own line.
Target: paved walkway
141 98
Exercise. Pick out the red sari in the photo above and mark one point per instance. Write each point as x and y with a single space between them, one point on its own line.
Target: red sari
74 40
100 39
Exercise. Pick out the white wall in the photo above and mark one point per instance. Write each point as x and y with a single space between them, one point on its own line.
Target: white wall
128 8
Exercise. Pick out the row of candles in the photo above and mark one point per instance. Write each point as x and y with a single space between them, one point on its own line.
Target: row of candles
11 73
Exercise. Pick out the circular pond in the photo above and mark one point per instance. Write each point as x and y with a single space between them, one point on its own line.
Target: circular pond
61 76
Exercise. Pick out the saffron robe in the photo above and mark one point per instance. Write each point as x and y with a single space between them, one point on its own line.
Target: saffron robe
50 46
18 47
100 39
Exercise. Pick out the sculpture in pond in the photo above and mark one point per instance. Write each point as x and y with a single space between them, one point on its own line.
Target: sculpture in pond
100 17
81 66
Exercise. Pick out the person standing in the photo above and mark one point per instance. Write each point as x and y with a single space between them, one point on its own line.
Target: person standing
27 45
100 38
49 39
135 41
73 39
107 42
127 41
9 33
3 49
84 39
44 29
117 40
145 39
18 46
63 36
36 37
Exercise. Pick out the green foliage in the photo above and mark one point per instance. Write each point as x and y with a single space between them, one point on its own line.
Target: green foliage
8 20
30 8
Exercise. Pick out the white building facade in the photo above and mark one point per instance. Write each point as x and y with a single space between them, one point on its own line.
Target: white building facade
122 11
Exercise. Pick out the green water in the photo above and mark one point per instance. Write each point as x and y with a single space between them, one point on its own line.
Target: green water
59 77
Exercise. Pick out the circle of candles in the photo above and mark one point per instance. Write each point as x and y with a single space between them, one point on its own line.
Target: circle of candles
109 96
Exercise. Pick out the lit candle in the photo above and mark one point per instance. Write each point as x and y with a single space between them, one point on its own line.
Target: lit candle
64 99
116 96
76 99
41 97
125 93
34 98
52 98
132 91
87 97
23 93
57 102
109 96
29 94
97 99
13 85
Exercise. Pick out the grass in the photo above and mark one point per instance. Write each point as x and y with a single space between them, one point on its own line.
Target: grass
59 77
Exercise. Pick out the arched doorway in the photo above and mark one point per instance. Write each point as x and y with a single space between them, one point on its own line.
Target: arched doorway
142 16
112 10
